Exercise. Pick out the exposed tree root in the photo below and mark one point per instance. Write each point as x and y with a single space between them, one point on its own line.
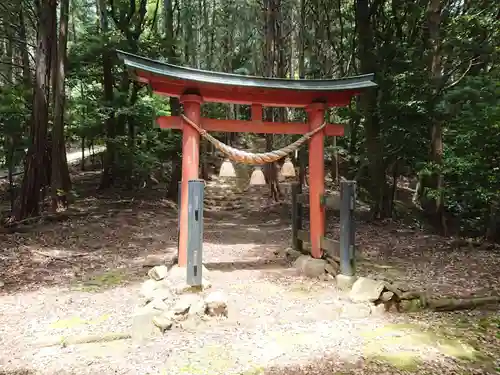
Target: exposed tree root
415 300
453 304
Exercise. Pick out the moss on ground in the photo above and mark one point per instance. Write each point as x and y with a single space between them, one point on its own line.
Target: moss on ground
105 280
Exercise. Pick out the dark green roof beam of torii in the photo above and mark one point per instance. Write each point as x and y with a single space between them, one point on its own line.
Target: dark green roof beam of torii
175 81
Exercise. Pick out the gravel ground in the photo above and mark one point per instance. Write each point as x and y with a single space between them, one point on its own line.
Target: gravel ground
279 322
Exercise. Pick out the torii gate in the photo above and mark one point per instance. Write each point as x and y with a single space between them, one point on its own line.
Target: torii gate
194 86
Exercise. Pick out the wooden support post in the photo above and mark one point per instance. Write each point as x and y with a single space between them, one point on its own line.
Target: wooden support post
296 217
316 113
190 165
257 112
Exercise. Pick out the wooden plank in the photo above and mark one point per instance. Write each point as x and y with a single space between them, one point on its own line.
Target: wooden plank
263 127
331 247
303 235
303 198
330 201
256 112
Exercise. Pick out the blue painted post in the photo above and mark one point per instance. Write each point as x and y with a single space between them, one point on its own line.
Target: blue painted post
195 232
179 194
347 227
296 216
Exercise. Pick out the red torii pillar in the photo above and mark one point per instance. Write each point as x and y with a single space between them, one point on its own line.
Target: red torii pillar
190 166
316 114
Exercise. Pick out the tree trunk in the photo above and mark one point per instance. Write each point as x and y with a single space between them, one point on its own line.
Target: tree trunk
60 184
377 184
175 107
108 83
272 10
435 210
35 164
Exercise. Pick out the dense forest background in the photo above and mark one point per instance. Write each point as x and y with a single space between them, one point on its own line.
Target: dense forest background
435 117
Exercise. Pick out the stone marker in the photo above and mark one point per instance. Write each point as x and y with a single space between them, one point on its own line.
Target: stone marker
366 290
158 272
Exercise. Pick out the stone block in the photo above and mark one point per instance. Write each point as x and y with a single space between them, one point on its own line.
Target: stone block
216 304
309 266
366 290
143 327
345 282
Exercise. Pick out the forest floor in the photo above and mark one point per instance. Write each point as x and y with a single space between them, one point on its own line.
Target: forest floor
83 275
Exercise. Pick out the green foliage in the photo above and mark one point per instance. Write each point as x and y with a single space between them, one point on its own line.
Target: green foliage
472 154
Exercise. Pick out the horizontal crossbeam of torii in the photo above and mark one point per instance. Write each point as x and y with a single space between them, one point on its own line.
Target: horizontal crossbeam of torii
194 87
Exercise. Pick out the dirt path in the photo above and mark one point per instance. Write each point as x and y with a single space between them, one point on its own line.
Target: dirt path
279 323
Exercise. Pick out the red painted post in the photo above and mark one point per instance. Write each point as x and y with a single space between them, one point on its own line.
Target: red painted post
190 165
316 114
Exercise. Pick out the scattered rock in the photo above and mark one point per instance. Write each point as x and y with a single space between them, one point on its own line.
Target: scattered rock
386 296
164 322
184 304
158 272
149 287
379 309
2 284
292 254
178 279
142 323
158 304
331 269
197 308
162 293
301 261
345 282
216 304
309 266
314 268
366 290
